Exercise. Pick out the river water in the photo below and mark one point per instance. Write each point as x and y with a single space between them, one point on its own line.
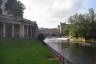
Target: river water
76 53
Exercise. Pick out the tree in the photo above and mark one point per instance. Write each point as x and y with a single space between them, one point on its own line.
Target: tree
91 14
70 20
41 37
15 8
82 25
18 12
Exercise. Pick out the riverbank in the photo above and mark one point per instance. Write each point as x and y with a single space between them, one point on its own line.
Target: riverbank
83 40
78 40
24 52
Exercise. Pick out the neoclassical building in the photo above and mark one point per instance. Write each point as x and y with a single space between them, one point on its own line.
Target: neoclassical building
13 27
17 28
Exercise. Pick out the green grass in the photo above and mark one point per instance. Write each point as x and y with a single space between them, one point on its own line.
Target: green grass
24 52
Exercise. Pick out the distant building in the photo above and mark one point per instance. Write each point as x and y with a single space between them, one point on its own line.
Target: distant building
61 28
48 32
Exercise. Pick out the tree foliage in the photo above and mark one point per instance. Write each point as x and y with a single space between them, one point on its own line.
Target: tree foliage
41 37
15 8
82 25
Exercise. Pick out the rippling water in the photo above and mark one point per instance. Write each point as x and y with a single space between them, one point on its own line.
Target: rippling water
77 53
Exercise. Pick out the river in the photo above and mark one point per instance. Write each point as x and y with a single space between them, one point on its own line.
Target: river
75 53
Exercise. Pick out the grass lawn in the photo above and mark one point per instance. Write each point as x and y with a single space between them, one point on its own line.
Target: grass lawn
24 52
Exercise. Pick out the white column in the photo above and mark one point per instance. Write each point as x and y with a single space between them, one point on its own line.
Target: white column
31 32
12 30
27 31
3 7
36 30
21 30
4 30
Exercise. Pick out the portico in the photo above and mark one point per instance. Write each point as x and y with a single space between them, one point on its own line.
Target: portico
17 28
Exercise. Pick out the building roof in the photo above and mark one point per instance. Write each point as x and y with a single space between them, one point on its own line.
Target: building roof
20 20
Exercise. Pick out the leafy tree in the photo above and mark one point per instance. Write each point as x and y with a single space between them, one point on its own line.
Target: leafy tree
15 8
91 14
19 9
41 37
82 25
71 20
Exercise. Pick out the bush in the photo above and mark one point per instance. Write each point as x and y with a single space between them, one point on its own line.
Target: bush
41 37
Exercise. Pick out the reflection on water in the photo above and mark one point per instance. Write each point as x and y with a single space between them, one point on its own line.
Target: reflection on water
75 52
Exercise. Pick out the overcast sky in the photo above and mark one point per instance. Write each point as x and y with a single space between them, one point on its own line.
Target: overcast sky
49 13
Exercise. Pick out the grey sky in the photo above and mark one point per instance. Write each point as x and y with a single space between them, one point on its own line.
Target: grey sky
49 13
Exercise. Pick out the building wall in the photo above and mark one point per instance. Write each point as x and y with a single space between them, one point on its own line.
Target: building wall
48 32
61 28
